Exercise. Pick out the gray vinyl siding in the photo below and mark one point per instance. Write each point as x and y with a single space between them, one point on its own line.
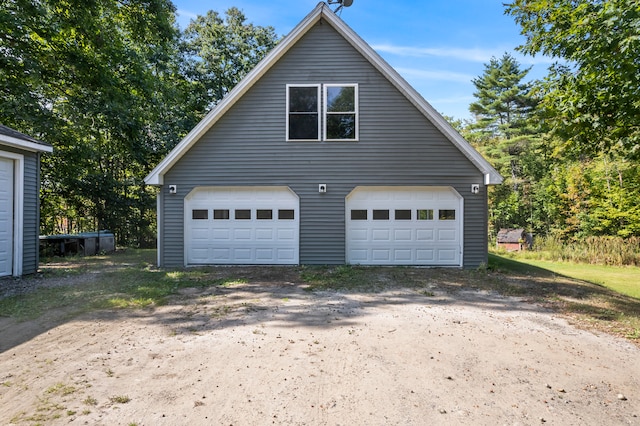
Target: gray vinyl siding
398 146
31 226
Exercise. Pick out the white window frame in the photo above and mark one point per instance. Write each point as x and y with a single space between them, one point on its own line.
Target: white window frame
319 130
325 111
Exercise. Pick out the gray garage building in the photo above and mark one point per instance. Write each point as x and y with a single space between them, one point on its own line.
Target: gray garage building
323 154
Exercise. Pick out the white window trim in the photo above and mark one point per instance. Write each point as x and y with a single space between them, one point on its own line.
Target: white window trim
325 112
317 86
18 209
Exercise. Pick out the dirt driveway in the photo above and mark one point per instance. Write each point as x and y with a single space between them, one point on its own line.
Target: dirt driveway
258 353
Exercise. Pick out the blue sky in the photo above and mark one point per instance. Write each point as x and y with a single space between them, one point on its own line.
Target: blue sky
438 46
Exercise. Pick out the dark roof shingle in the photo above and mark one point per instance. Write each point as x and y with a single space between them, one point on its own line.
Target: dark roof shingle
8 131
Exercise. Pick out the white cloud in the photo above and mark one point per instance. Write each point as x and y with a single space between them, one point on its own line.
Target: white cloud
466 100
436 75
474 55
470 55
186 14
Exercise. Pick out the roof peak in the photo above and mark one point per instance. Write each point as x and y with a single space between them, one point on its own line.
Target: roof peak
323 11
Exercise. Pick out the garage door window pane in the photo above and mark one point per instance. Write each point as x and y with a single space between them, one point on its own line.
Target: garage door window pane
403 215
286 215
447 215
243 214
425 214
381 215
358 215
264 214
200 214
220 214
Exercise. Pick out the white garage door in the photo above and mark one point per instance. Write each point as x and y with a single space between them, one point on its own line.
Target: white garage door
404 226
6 216
242 225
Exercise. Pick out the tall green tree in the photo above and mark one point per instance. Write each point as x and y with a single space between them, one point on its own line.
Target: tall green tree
504 102
220 51
594 93
113 85
80 74
505 131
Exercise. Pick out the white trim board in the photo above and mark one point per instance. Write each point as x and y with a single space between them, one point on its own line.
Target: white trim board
26 145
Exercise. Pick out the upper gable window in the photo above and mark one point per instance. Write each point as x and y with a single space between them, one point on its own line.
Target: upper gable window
336 120
303 112
341 112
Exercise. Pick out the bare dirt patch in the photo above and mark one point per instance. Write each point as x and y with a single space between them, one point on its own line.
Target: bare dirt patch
266 351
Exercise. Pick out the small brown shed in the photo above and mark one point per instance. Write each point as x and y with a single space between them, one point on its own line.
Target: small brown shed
512 239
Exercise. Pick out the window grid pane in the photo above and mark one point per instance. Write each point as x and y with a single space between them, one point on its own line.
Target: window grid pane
200 214
303 126
286 214
221 214
426 214
446 215
358 215
381 215
341 99
303 110
341 126
303 99
403 215
264 214
341 112
243 214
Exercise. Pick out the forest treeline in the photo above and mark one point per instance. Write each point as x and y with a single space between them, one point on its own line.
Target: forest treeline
115 84
568 146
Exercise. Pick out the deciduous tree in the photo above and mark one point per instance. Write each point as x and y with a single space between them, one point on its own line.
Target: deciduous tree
594 91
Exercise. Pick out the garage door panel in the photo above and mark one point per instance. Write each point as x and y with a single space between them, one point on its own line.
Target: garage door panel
423 226
403 235
403 256
264 234
380 235
242 255
286 234
446 255
265 254
220 254
200 253
242 225
221 235
447 235
200 237
423 196
359 255
381 255
286 255
424 235
360 234
425 255
242 234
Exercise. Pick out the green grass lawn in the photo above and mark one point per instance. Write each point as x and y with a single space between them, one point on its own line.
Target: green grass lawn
624 280
600 297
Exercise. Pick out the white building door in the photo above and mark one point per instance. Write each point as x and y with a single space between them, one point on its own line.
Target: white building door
404 226
242 225
6 216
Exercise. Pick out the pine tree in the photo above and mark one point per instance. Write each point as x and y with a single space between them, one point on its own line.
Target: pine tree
505 131
504 101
